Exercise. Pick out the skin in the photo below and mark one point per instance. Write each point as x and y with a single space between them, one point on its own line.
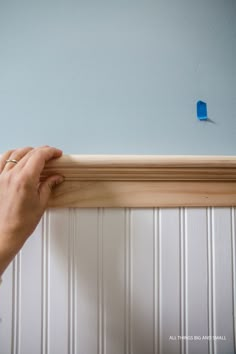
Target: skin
23 199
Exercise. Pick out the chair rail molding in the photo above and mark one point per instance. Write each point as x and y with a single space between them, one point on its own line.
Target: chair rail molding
143 181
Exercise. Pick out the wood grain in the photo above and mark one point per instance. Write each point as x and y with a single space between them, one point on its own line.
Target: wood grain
143 168
143 181
143 194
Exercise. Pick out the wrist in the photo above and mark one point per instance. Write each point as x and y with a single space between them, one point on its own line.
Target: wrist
9 247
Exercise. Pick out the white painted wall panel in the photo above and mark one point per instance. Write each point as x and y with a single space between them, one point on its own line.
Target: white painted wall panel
170 281
6 307
30 295
142 281
86 277
56 260
113 281
113 269
222 280
196 301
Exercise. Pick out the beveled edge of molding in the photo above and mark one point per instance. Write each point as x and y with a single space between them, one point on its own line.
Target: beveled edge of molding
142 168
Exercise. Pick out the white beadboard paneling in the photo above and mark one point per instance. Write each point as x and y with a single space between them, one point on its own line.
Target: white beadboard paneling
169 286
222 280
156 280
30 294
128 283
6 293
233 237
113 270
72 282
88 282
196 302
123 281
142 281
55 281
16 304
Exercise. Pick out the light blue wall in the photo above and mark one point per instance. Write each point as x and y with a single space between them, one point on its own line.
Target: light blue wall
118 76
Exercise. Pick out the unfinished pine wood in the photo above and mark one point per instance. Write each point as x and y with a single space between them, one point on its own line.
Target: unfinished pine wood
143 167
143 181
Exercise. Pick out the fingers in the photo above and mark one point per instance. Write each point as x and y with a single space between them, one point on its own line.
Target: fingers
3 159
24 160
33 163
16 154
46 188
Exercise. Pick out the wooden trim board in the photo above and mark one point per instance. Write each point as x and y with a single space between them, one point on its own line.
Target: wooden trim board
143 181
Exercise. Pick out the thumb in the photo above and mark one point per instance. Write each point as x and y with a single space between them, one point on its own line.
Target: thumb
46 187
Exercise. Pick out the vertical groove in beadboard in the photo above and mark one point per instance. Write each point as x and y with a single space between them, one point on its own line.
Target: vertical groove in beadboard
71 281
233 240
210 278
14 307
213 279
101 349
182 281
155 281
45 283
128 287
185 236
16 304
131 295
159 282
75 329
126 327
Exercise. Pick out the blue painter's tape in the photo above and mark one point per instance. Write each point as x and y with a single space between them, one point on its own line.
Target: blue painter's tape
201 110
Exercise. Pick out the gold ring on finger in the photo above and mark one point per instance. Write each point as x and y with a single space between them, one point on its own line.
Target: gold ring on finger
14 161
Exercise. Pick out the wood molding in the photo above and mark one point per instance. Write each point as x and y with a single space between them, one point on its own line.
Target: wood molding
143 181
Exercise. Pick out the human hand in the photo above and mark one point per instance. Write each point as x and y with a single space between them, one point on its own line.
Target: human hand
23 199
